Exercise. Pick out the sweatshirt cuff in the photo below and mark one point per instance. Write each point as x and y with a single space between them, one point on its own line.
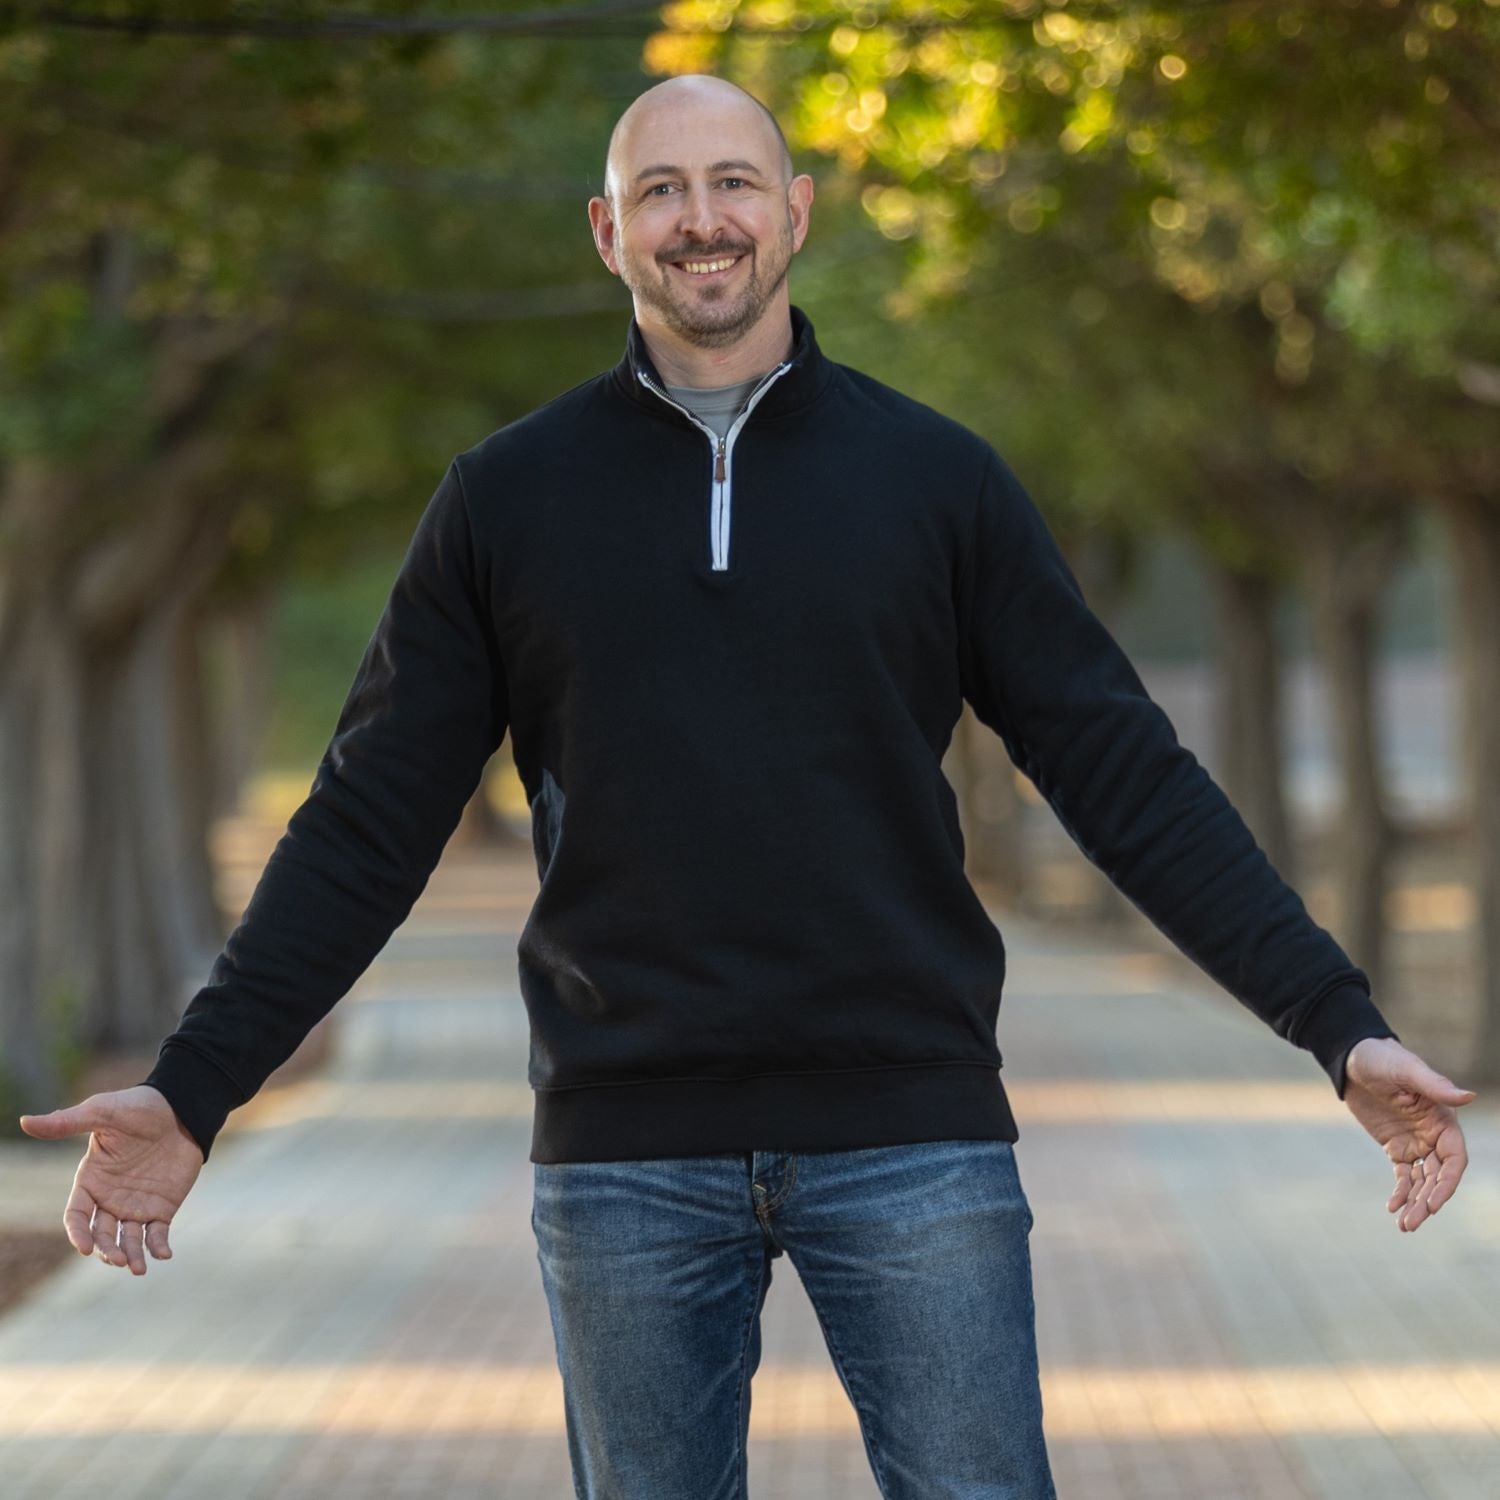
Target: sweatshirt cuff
200 1092
1343 1017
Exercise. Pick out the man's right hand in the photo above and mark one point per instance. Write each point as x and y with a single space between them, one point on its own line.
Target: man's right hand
138 1168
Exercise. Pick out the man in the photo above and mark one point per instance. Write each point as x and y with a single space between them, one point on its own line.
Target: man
728 598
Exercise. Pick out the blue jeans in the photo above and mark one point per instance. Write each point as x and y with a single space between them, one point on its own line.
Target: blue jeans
915 1257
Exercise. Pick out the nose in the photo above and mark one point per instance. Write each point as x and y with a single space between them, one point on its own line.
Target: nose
699 218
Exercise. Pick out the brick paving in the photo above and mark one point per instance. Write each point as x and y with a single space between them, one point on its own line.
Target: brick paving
354 1307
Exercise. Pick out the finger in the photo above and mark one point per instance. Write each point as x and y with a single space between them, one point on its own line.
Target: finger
57 1123
1450 1093
1403 1189
1414 1217
156 1240
1426 1081
77 1216
130 1245
1423 1176
105 1228
1449 1174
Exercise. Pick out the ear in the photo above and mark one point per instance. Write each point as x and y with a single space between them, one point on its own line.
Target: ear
602 221
799 196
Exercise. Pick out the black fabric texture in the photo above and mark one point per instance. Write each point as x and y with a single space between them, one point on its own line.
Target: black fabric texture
753 928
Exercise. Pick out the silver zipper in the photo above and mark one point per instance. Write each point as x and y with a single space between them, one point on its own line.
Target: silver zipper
723 448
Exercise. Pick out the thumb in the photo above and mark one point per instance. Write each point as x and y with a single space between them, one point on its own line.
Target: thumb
1436 1086
75 1120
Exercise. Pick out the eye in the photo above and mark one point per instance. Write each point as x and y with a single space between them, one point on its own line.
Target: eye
732 179
651 190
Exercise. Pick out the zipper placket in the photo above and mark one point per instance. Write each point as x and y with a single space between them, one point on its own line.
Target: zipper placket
723 450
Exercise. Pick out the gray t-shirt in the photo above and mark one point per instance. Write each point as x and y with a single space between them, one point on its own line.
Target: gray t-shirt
716 405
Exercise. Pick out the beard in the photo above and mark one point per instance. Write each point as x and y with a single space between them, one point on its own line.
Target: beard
711 316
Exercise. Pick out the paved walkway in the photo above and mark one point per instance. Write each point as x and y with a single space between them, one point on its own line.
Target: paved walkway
354 1307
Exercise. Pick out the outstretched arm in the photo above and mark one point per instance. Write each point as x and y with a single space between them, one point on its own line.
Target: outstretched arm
1043 672
427 709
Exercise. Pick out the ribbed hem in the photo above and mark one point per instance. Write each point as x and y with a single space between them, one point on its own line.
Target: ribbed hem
200 1092
1343 1017
840 1111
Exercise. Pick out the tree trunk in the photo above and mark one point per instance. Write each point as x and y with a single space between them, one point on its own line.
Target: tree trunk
1250 711
237 695
1474 530
199 758
1350 575
153 928
104 923
41 978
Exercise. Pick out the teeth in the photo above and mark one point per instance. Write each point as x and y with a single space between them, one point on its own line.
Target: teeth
700 267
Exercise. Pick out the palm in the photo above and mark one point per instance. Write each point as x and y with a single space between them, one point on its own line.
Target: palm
135 1174
1391 1092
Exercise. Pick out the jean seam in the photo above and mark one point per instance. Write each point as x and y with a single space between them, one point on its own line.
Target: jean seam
740 1450
867 1427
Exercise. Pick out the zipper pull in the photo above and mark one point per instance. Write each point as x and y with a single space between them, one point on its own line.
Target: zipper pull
719 463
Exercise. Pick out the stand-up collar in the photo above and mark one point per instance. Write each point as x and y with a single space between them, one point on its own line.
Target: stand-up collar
796 387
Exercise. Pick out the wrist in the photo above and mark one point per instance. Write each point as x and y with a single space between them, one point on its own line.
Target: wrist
1361 1053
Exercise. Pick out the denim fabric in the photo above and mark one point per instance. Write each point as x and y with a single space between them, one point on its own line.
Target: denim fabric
915 1257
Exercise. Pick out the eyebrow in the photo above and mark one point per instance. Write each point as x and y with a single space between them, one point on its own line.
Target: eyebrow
718 166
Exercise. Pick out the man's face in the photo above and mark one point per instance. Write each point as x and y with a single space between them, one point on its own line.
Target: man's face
698 183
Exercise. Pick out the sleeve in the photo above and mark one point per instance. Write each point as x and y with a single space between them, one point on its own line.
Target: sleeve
427 709
1042 671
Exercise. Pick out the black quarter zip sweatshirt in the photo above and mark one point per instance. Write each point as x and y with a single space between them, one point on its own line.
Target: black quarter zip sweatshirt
730 669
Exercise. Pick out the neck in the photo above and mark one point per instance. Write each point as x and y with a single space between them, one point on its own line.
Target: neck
681 363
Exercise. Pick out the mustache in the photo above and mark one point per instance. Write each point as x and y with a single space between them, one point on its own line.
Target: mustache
695 253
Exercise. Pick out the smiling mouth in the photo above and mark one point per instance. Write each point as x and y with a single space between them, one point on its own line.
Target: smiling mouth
707 269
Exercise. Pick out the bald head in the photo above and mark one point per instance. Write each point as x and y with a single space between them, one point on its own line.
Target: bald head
681 106
700 217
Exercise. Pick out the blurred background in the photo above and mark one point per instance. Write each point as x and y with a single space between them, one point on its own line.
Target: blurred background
1219 279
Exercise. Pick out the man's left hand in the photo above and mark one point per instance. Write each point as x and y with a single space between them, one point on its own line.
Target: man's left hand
1409 1109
